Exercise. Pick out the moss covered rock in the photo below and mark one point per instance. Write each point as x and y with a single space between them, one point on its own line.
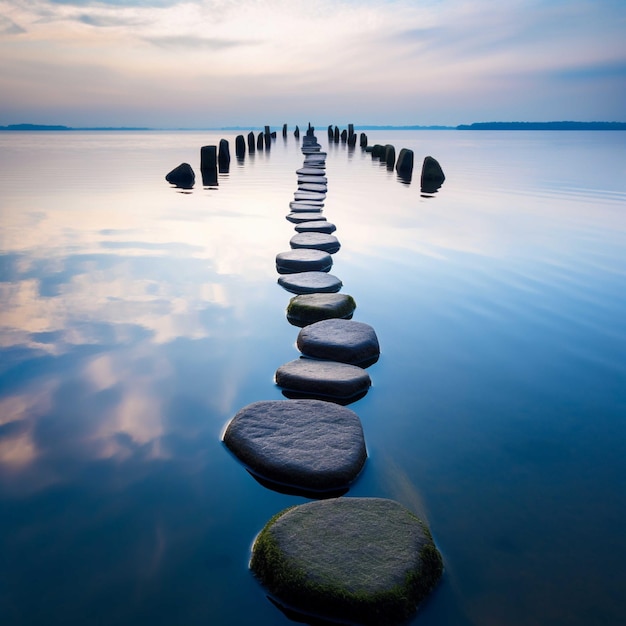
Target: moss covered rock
360 560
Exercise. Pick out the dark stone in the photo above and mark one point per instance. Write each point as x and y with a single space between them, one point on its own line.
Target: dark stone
364 561
432 175
297 218
308 444
390 156
316 227
363 140
303 260
323 379
182 176
223 156
240 146
313 307
404 165
310 282
316 241
378 151
340 340
251 142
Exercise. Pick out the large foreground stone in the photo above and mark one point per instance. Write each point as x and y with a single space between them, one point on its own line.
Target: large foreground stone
323 379
357 560
316 227
318 241
312 307
310 282
303 260
340 340
307 444
182 176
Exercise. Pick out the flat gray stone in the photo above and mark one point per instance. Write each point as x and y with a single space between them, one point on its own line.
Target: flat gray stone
316 180
309 195
315 158
375 566
307 444
303 207
303 260
310 171
310 282
340 340
312 307
323 379
315 187
318 241
316 227
297 217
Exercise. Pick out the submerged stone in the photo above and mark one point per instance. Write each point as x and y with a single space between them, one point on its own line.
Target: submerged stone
307 444
323 379
316 227
318 241
375 566
340 340
303 260
310 308
310 282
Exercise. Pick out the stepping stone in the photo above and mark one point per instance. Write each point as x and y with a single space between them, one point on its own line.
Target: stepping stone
315 160
340 340
307 444
348 560
310 171
323 379
319 241
309 195
297 217
316 227
304 207
318 180
315 154
310 282
313 307
313 187
303 260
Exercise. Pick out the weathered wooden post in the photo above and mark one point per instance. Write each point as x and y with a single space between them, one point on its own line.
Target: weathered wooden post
284 131
223 156
268 138
296 133
240 147
251 142
336 135
259 142
208 165
344 136
331 133
363 140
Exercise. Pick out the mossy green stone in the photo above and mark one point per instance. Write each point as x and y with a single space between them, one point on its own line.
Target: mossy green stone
309 308
361 560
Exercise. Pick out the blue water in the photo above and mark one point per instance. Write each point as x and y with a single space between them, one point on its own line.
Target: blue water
137 319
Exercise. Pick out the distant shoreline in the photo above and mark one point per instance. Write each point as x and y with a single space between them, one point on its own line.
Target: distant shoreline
564 125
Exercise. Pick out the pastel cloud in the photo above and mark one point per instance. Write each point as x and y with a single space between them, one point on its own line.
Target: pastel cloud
221 62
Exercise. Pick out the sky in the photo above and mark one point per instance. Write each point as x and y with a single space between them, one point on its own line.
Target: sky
216 63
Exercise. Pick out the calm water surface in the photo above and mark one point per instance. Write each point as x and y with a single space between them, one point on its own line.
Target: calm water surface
137 319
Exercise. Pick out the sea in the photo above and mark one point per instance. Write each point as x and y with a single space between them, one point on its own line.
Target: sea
137 318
